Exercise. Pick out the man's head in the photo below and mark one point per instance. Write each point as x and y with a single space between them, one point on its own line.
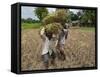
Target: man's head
48 34
52 29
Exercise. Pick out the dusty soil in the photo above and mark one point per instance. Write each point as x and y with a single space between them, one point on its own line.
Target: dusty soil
79 50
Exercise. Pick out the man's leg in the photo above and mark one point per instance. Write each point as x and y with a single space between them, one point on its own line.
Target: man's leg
63 57
46 60
53 56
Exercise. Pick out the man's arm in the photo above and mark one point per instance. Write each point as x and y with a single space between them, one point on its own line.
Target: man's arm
42 33
66 33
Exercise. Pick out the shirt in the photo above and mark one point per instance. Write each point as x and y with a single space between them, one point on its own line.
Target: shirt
62 35
47 44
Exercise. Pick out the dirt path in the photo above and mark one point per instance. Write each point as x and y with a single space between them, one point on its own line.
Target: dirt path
79 50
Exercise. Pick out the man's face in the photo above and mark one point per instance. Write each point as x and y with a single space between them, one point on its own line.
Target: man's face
55 36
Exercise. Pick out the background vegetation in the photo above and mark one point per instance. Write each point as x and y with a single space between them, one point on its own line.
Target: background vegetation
83 18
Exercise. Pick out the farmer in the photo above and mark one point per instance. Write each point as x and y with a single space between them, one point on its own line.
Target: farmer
47 52
61 42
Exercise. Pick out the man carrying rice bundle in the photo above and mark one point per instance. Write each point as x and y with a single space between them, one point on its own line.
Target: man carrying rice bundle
61 42
49 34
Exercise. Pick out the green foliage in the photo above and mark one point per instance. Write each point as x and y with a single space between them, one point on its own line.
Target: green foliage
30 25
29 20
73 16
88 16
85 18
41 12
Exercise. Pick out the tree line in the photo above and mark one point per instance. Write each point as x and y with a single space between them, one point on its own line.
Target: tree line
82 17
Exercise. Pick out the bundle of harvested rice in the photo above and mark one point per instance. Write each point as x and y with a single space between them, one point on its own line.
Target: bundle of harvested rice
60 16
53 28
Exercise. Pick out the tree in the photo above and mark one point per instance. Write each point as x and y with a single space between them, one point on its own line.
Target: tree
73 16
41 12
88 17
29 20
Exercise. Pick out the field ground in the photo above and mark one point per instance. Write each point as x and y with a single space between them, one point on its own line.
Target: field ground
79 49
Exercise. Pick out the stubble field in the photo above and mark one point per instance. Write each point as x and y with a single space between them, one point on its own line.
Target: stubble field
79 50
